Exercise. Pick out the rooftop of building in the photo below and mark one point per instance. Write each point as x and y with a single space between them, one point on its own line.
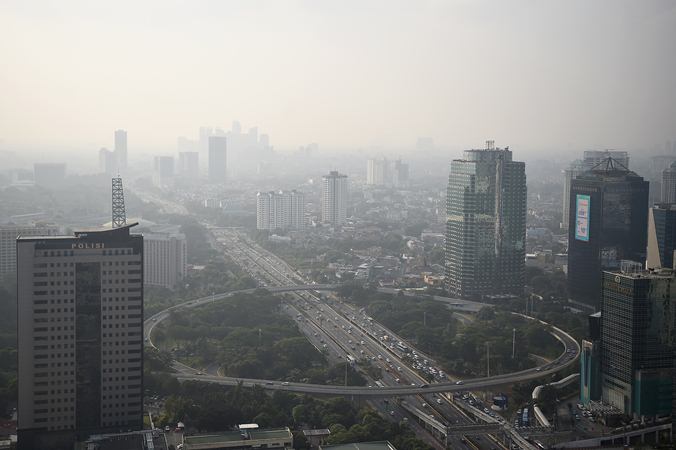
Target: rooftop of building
375 445
235 436
88 234
665 206
639 272
317 432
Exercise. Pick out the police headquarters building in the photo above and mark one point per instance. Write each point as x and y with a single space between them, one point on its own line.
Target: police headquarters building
80 336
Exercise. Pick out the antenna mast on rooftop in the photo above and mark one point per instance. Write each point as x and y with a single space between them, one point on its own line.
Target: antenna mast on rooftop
119 215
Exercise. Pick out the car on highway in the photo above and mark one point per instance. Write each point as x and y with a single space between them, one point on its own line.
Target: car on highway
459 382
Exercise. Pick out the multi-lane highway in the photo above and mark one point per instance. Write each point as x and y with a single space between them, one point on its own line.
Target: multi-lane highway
346 333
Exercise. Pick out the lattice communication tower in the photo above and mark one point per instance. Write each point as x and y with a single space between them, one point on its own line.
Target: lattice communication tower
119 215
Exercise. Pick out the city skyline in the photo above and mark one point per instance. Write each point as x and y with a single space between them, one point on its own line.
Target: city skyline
413 67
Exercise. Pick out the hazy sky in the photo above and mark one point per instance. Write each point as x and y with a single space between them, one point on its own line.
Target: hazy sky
529 74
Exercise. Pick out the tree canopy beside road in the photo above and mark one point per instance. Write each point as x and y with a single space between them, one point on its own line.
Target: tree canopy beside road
206 407
248 336
459 347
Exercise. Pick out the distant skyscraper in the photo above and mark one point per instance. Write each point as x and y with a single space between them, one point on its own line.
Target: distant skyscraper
165 257
661 236
377 172
637 343
669 184
280 210
576 168
49 174
80 336
594 157
486 224
334 198
607 223
188 166
163 174
108 162
217 159
8 235
400 174
121 149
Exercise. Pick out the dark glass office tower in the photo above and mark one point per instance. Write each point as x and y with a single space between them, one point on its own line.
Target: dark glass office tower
637 340
608 223
486 224
80 336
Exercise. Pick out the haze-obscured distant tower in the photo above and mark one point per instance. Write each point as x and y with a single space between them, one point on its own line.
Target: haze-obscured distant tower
188 166
377 172
669 184
121 149
400 174
575 168
218 165
486 224
163 174
334 198
592 158
108 162
608 223
79 336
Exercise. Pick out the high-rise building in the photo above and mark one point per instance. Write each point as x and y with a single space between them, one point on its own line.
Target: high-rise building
334 198
121 149
49 174
377 172
400 174
594 157
217 159
8 235
163 173
590 159
608 223
575 169
637 343
280 210
188 165
669 184
108 162
486 224
590 362
165 257
80 336
382 172
661 236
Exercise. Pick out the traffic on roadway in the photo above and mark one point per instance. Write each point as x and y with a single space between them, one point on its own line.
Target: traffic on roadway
346 333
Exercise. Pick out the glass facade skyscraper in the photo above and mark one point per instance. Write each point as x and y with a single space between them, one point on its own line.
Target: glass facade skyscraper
486 224
607 223
637 340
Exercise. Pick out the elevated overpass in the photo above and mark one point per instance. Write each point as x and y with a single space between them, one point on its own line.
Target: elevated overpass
185 373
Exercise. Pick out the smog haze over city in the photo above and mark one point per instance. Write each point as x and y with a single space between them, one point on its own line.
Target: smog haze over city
376 225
